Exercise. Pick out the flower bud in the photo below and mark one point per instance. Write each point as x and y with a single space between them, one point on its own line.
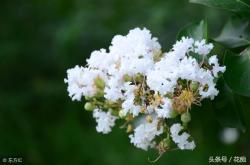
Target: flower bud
157 55
129 117
139 78
166 142
173 113
129 128
99 93
89 107
99 83
194 86
122 114
127 78
149 118
87 97
164 145
143 110
186 117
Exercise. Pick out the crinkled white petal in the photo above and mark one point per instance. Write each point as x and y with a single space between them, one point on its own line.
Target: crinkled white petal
181 139
105 121
183 46
166 110
100 60
202 48
144 135
213 60
128 105
80 81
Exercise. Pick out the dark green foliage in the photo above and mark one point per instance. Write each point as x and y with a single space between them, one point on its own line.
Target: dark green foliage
237 75
236 33
197 30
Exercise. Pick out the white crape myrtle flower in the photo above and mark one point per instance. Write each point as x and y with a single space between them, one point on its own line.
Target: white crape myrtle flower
113 89
181 139
207 86
166 109
128 105
135 51
145 133
183 46
100 59
202 48
81 81
131 54
213 60
188 69
75 82
105 121
163 77
177 64
138 43
131 66
211 92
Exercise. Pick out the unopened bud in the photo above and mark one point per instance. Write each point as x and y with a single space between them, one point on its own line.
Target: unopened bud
143 110
89 107
127 78
122 114
149 118
129 117
87 97
164 145
173 113
99 83
99 93
194 86
139 78
186 117
129 128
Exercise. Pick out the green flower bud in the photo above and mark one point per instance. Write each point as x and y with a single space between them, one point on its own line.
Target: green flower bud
99 93
127 78
173 113
164 145
99 83
194 86
139 77
122 114
186 117
167 141
114 112
129 128
87 97
149 118
89 107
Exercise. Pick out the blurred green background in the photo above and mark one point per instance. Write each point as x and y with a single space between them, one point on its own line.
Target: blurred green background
40 39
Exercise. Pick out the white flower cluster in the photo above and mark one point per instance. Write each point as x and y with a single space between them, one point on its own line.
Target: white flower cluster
135 81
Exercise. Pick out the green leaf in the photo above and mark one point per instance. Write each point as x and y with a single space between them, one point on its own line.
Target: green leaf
196 30
237 74
236 33
237 6
228 108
